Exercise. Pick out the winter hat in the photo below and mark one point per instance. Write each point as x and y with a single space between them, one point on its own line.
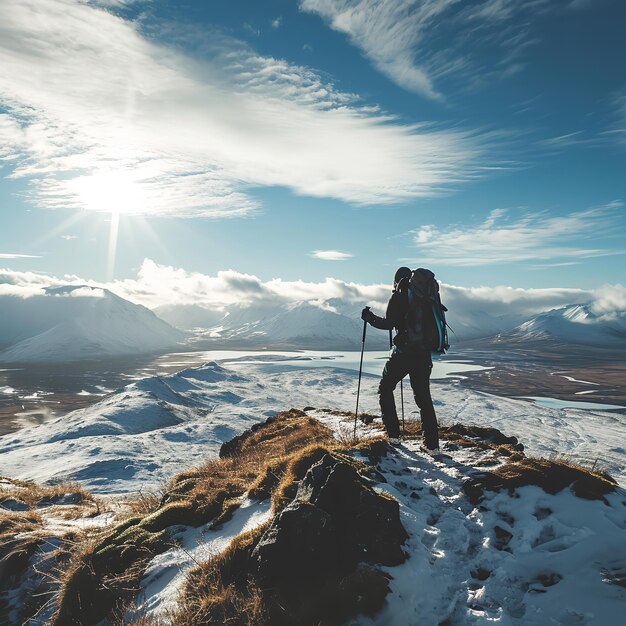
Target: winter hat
402 272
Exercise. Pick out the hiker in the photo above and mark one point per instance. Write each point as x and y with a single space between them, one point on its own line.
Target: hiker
410 314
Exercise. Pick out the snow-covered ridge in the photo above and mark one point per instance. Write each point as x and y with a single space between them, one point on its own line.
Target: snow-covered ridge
477 552
78 322
577 324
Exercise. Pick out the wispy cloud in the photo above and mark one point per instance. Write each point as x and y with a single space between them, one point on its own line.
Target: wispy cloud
417 42
505 238
99 116
331 255
619 130
10 255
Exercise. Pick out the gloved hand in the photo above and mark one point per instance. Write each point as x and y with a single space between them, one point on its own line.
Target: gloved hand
367 315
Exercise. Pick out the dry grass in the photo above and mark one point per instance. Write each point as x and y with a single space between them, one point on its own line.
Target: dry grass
517 470
103 577
22 535
19 537
222 590
551 476
219 592
37 496
139 505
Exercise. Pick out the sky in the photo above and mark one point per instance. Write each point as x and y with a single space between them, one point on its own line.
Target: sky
313 142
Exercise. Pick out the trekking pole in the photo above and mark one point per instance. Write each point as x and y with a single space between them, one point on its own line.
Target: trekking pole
358 390
402 402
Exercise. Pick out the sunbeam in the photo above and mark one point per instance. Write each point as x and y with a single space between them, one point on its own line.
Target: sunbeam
113 232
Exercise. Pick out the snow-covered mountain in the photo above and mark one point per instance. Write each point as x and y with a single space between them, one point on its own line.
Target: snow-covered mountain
299 324
305 325
576 324
478 324
75 323
189 316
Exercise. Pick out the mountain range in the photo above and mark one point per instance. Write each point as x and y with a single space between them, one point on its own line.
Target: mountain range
305 325
78 322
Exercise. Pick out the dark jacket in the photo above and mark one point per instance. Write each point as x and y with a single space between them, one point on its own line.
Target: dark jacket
397 308
397 317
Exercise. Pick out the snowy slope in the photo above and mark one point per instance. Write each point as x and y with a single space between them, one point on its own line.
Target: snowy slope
141 435
84 323
525 558
300 324
573 324
189 316
478 324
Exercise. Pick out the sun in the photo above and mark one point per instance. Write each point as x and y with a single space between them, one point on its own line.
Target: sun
115 191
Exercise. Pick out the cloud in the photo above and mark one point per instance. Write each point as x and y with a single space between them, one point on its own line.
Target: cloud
99 116
502 238
9 255
619 106
506 301
278 22
473 311
86 292
415 43
610 301
331 255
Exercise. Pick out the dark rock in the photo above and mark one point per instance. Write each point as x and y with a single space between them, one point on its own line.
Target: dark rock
368 523
301 542
503 537
13 504
480 573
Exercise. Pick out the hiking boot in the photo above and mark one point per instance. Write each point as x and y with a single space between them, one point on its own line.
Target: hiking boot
431 451
395 441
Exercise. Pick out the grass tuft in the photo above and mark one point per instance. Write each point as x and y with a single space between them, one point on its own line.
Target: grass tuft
551 476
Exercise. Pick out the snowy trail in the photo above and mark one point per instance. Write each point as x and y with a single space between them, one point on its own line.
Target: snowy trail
529 559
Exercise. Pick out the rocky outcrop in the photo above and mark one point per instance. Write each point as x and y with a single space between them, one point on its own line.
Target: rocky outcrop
335 522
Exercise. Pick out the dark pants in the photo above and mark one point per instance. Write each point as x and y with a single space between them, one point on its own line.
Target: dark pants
418 367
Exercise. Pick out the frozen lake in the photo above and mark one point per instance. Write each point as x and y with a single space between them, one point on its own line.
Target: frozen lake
38 393
373 361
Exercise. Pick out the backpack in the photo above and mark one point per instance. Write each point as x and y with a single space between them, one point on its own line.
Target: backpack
425 319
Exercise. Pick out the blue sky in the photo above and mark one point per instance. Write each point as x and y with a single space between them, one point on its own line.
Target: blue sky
484 139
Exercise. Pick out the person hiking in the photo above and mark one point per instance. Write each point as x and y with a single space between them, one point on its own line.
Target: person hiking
410 355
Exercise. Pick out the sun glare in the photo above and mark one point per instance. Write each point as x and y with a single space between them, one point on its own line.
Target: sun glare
115 192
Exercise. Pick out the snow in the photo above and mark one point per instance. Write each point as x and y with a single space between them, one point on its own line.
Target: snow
165 574
553 570
139 436
297 323
60 326
575 380
576 324
550 572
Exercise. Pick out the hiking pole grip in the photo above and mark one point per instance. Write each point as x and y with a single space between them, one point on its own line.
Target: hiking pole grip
358 390
364 327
